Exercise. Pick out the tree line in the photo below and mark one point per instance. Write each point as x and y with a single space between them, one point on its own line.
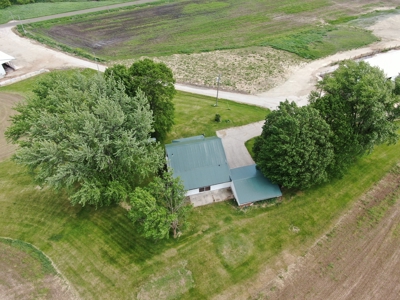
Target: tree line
100 139
352 110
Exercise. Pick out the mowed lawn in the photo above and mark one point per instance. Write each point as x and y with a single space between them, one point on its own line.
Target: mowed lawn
195 115
224 249
186 27
101 254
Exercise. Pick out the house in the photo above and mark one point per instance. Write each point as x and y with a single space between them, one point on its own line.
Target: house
202 165
5 60
200 162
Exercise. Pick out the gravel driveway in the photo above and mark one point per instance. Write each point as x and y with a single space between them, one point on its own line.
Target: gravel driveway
233 140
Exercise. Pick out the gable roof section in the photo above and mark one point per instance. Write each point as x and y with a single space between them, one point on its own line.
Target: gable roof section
249 185
198 161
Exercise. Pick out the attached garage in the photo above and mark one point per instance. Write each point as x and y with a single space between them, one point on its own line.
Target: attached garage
5 61
249 185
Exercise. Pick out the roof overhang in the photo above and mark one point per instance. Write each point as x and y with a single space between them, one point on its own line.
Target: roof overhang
5 58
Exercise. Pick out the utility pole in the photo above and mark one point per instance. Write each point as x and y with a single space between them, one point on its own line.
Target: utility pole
97 64
21 24
12 16
218 82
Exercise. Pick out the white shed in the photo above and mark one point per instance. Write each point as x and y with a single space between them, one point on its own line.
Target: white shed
5 60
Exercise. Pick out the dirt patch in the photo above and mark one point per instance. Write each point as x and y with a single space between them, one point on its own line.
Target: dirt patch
22 276
7 102
251 70
358 259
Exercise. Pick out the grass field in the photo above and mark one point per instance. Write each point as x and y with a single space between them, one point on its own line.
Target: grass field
195 115
34 10
224 249
101 254
187 27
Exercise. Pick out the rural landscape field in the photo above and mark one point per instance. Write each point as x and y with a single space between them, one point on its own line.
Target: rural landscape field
336 240
200 39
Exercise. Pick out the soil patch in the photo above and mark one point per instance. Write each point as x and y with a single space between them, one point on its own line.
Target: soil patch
250 70
358 259
7 102
23 275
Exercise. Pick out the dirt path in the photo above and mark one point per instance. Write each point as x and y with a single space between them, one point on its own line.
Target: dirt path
32 57
358 259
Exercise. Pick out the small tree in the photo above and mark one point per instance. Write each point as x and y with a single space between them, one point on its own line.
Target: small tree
152 218
157 82
358 102
161 207
294 149
85 135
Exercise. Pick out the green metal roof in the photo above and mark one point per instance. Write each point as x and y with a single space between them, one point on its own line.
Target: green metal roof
192 138
199 162
250 185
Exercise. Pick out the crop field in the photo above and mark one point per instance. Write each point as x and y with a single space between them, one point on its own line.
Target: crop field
34 10
357 259
201 26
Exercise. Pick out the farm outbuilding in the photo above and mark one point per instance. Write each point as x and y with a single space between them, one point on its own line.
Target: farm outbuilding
5 60
202 165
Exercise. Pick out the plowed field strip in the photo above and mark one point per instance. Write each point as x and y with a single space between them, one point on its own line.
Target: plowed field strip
359 259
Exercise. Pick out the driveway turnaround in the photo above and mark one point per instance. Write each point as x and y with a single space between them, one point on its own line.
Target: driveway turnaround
233 140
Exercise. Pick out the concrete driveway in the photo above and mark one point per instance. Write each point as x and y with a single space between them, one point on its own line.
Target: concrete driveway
233 140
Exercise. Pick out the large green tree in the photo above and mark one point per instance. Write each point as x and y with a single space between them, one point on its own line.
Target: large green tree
4 3
160 208
83 134
358 103
157 82
294 149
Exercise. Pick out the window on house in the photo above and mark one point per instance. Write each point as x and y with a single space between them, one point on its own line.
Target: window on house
204 189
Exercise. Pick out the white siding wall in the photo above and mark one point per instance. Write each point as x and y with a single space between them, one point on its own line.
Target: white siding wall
221 186
192 192
234 192
212 188
2 72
